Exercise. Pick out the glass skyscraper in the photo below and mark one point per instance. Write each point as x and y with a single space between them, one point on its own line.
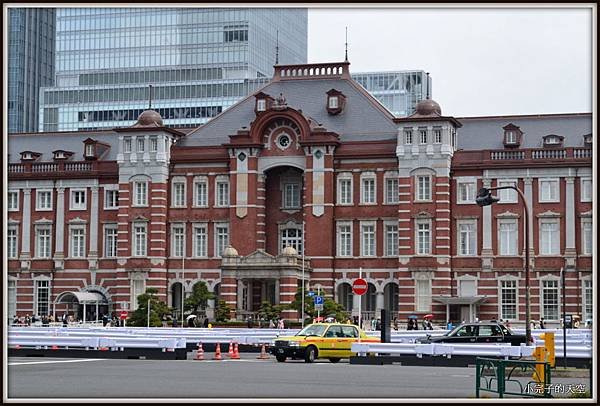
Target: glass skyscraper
30 64
199 61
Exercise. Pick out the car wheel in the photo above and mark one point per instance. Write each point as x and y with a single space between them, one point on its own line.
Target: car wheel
311 354
280 358
334 360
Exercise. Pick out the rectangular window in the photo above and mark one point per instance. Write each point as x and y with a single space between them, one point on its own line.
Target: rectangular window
42 297
511 137
201 193
586 190
178 194
89 150
586 237
423 288
367 248
423 187
345 191
391 191
548 190
391 240
153 144
222 194
467 238
291 237
437 135
137 288
12 241
78 199
333 102
140 145
508 300
111 199
177 241
291 196
423 238
550 302
507 237
110 241
466 192
423 136
127 144
140 192
200 241
222 239
345 240
42 248
408 137
43 200
261 105
549 237
12 297
77 242
139 240
587 299
13 201
507 195
368 190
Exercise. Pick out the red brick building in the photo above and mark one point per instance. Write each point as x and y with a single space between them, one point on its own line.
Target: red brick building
312 162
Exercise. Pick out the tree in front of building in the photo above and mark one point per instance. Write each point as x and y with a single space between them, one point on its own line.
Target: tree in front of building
330 307
223 311
198 299
158 308
268 311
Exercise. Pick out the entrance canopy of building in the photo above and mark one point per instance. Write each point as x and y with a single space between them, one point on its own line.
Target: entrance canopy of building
82 298
470 301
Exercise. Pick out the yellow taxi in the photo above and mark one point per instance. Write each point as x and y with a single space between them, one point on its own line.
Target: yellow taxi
320 340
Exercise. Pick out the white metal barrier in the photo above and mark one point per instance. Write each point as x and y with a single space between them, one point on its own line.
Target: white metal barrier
443 349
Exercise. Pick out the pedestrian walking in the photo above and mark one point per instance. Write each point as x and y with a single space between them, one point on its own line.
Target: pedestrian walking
542 324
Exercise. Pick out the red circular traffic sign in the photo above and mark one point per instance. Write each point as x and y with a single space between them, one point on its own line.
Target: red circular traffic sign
123 315
359 286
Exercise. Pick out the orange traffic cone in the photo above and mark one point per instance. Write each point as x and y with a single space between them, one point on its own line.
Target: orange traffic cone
55 347
218 353
236 353
199 353
263 353
230 351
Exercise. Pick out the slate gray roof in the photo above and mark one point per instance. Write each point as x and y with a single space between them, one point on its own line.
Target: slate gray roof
363 118
487 133
47 142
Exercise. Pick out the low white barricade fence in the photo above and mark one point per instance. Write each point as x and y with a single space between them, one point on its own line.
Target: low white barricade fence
52 342
447 350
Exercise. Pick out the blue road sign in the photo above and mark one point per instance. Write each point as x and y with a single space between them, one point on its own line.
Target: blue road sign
311 293
318 300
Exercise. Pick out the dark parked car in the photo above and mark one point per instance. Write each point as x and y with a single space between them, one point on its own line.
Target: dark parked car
482 332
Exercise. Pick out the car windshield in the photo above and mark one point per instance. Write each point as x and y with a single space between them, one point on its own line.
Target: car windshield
312 330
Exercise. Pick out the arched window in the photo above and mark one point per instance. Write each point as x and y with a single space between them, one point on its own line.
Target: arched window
345 296
369 299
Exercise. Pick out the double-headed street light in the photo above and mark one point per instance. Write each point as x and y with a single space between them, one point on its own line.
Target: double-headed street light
485 198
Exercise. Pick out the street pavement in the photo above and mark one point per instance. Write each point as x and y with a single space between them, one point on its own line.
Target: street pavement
56 378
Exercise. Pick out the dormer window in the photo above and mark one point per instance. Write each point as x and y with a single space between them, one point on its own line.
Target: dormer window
587 140
61 155
333 102
89 150
512 136
553 140
336 101
29 155
92 149
263 102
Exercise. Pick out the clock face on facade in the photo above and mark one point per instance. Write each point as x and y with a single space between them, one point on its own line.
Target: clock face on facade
283 141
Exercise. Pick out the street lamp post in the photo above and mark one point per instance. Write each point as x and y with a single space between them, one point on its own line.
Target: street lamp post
485 198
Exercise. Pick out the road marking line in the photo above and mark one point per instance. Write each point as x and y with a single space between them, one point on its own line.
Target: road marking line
54 362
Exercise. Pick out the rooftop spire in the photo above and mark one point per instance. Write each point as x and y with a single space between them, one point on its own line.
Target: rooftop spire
346 58
149 97
277 50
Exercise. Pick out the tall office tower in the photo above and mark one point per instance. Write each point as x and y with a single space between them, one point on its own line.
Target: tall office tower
398 91
30 64
198 60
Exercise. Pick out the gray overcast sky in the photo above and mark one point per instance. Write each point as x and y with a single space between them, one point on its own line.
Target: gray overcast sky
494 61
